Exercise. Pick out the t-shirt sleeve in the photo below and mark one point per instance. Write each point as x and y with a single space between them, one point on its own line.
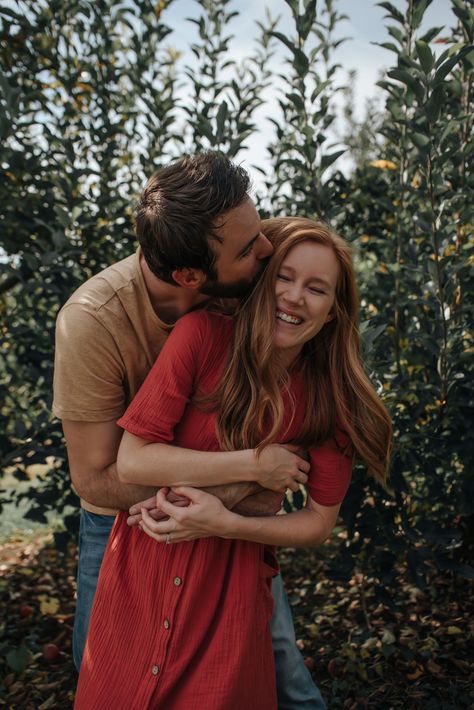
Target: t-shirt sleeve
88 368
160 403
331 470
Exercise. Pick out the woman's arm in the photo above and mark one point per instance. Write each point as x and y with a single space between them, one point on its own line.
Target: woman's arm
145 456
157 464
207 517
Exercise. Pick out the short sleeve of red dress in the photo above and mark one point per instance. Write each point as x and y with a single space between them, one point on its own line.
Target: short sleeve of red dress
331 470
169 386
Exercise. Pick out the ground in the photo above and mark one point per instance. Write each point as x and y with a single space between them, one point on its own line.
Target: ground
362 654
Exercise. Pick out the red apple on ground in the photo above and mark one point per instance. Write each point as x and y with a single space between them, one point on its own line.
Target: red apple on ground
334 668
50 651
25 611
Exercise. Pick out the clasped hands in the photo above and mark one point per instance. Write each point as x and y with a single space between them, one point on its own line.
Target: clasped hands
184 513
193 514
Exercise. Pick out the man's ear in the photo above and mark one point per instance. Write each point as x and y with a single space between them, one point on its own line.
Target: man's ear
189 278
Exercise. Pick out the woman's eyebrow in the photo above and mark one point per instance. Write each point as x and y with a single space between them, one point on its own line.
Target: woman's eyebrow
313 278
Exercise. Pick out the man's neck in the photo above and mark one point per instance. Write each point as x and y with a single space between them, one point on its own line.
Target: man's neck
169 302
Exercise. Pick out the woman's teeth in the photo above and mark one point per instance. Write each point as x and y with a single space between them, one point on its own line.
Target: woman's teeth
288 319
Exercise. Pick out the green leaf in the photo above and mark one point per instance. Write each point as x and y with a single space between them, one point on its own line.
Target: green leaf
19 658
397 34
420 140
419 9
221 119
431 34
425 56
329 158
449 64
301 62
307 19
284 39
409 80
393 11
297 101
236 144
387 45
369 335
434 103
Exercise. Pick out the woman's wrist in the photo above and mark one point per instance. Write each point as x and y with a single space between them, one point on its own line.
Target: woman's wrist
234 526
248 467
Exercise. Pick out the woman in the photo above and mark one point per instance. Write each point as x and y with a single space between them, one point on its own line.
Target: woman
181 625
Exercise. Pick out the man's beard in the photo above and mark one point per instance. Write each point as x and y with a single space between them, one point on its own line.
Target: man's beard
239 289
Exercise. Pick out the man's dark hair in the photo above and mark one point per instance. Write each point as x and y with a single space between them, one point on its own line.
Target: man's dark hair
179 208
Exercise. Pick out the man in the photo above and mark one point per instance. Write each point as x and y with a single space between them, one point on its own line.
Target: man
199 236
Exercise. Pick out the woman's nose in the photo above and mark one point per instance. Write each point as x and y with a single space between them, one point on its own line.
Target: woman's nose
294 293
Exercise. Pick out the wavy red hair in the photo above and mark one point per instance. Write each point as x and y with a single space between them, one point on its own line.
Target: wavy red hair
340 395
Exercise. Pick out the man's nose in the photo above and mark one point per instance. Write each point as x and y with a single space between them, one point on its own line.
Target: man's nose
264 247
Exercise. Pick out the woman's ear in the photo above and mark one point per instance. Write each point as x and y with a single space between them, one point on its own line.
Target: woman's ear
189 278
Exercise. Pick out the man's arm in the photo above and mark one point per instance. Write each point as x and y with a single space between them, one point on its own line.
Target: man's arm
92 451
238 497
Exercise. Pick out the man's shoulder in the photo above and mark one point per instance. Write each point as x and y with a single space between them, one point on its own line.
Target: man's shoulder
104 287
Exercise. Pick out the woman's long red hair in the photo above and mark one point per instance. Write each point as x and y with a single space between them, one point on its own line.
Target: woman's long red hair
339 392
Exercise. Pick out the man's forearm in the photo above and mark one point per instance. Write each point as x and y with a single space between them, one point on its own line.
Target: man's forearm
105 490
262 503
248 499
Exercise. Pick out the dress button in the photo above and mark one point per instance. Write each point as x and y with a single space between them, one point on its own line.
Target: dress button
177 581
166 624
155 670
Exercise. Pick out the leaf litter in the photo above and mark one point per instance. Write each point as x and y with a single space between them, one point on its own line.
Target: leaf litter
415 655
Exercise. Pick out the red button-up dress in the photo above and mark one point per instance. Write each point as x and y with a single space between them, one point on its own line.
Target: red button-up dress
185 626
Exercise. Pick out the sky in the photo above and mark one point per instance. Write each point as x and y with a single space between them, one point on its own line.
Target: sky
364 26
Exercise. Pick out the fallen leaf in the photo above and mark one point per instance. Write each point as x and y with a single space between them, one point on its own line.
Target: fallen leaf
49 703
19 658
433 667
48 605
388 637
416 673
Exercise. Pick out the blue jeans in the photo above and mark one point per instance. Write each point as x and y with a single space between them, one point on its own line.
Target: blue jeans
295 687
94 531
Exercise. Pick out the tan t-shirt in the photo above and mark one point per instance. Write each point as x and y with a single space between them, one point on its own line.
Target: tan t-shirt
107 338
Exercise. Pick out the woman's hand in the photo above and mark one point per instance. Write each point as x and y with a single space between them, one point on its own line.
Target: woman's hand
135 511
279 468
205 516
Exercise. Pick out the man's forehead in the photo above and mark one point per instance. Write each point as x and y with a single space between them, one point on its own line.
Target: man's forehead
238 226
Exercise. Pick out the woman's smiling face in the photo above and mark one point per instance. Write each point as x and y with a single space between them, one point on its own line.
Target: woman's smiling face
305 290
